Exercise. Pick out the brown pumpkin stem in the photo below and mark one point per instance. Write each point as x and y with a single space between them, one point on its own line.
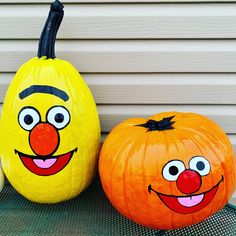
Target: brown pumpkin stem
164 124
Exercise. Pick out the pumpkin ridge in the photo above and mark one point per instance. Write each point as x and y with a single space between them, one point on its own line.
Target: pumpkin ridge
111 136
116 162
203 136
200 147
127 159
211 126
170 184
211 135
222 167
144 175
184 147
179 138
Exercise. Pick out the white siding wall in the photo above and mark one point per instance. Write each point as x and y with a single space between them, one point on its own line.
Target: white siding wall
137 56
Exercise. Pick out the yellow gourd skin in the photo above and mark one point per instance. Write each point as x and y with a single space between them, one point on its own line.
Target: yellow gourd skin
2 179
81 136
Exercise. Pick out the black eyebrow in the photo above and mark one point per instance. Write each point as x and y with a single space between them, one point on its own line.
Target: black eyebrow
44 89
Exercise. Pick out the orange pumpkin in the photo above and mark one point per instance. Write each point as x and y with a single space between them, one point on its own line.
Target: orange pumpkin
168 171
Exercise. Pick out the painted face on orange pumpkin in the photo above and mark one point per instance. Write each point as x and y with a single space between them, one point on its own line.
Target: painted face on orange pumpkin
168 171
188 181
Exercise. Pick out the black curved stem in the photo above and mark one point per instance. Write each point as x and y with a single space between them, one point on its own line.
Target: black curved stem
49 33
164 124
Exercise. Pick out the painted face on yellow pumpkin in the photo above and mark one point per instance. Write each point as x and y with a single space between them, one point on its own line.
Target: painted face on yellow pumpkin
188 181
50 131
44 137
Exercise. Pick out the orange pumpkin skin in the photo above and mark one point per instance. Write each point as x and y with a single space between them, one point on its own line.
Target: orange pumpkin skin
138 168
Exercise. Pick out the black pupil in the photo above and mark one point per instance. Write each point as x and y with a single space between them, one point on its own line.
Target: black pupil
59 118
28 119
173 170
200 165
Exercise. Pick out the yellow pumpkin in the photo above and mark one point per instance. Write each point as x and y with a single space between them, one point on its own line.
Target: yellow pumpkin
1 178
168 171
50 131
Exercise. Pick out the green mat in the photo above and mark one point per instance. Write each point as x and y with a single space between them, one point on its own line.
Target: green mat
91 214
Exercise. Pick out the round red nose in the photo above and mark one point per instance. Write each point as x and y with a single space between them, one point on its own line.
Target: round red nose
189 181
44 139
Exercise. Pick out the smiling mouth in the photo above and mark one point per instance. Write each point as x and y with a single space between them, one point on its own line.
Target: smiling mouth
45 166
188 204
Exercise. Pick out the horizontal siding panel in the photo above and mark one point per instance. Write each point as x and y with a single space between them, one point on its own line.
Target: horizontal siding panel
155 88
104 21
130 56
5 80
163 88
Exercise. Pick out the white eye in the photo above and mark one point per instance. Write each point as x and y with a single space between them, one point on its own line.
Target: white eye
200 164
173 169
28 117
58 116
